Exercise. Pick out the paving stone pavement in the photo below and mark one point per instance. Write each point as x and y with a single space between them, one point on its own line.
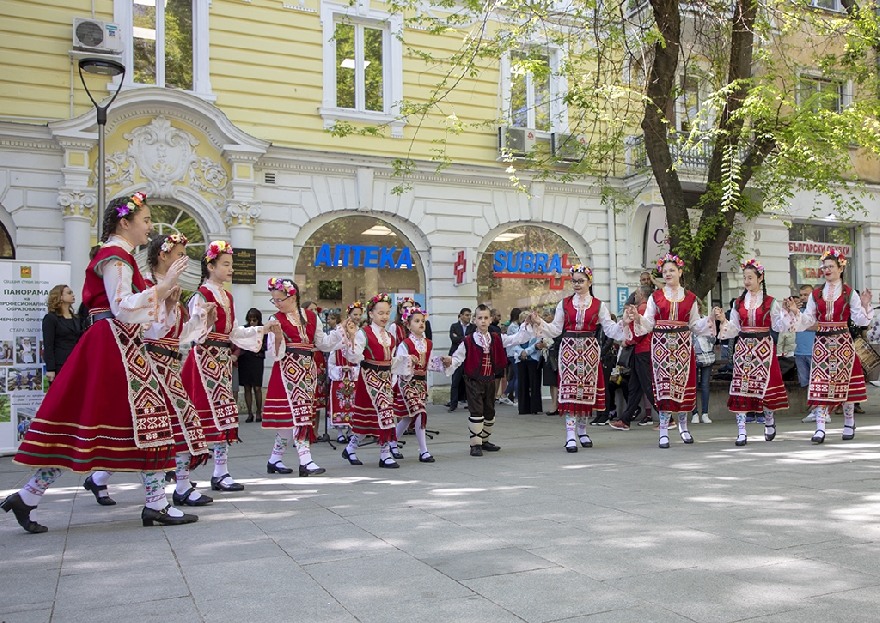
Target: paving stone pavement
623 532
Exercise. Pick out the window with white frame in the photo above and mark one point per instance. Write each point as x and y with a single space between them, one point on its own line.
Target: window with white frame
533 90
829 5
363 66
821 93
169 43
688 104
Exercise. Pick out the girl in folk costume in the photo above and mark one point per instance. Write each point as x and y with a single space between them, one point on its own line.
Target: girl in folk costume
411 389
162 342
207 374
581 381
373 410
757 380
399 327
289 399
115 418
836 375
343 381
672 314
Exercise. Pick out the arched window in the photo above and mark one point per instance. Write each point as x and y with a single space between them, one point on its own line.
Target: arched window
7 248
171 219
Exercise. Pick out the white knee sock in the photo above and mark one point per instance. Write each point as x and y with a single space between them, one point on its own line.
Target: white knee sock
221 451
741 426
821 412
304 449
421 438
570 423
282 438
352 446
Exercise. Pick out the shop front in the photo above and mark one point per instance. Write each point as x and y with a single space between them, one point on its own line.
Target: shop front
808 241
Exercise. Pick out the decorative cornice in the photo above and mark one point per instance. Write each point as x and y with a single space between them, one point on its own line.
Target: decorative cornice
243 214
28 145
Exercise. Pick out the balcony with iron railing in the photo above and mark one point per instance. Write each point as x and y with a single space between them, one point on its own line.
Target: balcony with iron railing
694 158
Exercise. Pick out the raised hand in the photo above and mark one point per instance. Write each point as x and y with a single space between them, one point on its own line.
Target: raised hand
173 296
176 270
866 299
719 314
446 360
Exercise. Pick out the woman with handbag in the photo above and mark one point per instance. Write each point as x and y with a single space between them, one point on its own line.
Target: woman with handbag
704 349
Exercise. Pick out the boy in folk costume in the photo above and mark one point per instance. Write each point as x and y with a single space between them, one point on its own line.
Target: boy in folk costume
162 342
836 376
343 381
207 374
373 410
411 389
581 380
116 417
291 394
483 355
757 380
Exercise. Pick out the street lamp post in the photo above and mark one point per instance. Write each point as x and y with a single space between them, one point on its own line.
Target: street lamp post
110 68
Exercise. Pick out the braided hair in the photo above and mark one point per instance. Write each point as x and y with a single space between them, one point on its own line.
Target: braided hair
302 320
153 251
763 285
111 217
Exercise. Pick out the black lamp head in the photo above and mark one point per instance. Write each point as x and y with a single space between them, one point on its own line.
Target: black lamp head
101 66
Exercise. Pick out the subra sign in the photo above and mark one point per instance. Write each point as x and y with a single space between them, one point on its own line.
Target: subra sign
360 256
528 265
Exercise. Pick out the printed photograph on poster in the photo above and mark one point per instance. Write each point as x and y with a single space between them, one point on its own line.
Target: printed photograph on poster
26 349
23 417
6 353
5 409
24 380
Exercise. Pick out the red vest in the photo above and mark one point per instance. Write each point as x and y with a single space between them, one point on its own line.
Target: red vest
374 351
682 308
293 335
225 317
591 315
94 295
421 368
762 314
840 313
483 366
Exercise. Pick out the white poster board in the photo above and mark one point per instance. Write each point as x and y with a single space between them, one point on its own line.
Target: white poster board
23 296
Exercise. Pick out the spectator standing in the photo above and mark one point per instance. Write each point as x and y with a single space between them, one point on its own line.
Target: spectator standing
517 317
457 332
550 366
704 349
803 349
641 379
62 329
528 358
250 369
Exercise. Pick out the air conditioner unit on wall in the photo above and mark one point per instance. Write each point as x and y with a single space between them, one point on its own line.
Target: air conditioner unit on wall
92 35
568 147
517 142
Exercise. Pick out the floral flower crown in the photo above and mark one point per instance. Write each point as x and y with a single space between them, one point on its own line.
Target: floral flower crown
412 311
669 257
403 301
753 264
216 248
133 204
834 254
282 285
172 240
379 298
580 268
354 306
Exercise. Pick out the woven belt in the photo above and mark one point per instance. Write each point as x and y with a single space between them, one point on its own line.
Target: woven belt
578 334
419 377
831 333
165 352
302 352
373 366
671 329
217 343
754 335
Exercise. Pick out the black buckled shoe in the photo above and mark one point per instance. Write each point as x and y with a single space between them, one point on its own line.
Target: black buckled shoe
274 468
741 442
769 433
396 453
182 499
571 446
305 470
217 484
22 514
150 517
348 457
89 485
476 451
686 436
388 463
488 446
585 440
851 434
425 457
819 437
664 442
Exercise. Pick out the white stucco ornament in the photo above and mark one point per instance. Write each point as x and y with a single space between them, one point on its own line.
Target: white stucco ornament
242 214
164 156
77 203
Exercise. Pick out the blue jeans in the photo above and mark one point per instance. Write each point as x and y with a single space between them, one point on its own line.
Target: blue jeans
704 373
803 363
512 382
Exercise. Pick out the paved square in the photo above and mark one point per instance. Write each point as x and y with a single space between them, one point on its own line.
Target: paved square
623 532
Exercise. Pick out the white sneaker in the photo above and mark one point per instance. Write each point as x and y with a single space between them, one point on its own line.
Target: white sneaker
706 419
506 401
695 419
810 418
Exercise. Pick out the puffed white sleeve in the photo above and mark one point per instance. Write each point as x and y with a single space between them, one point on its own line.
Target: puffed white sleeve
701 325
354 352
857 313
731 328
645 324
778 320
127 306
614 330
803 320
554 329
405 369
329 342
457 359
524 334
158 330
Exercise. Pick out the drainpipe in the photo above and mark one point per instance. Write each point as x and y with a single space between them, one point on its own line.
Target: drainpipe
612 259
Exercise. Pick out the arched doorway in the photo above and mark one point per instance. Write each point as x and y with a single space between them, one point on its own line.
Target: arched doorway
525 267
7 247
351 258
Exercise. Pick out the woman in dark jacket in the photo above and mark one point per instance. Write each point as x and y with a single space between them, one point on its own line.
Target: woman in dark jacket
62 329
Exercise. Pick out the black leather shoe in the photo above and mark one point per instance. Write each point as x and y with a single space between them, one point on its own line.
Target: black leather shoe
305 471
259 418
425 457
585 444
552 412
249 419
851 434
488 446
182 499
768 436
274 468
664 442
819 437
689 439
150 517
218 485
571 446
451 409
341 439
476 451
89 485
353 461
388 463
396 453
741 442
22 514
